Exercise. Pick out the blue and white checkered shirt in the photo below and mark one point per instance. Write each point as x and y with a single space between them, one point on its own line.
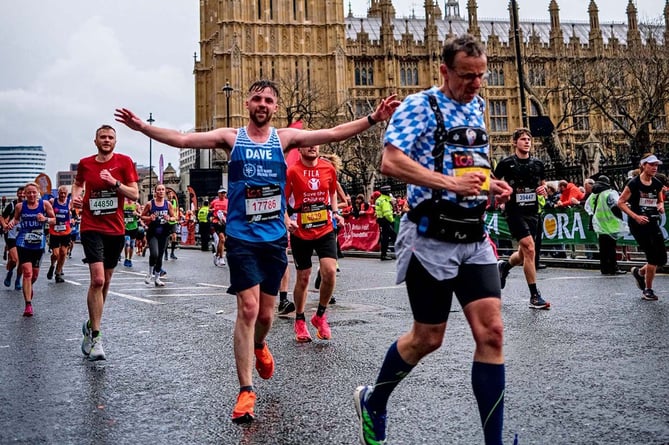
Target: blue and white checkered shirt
412 128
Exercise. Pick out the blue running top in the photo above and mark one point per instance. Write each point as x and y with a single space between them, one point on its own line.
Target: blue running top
256 183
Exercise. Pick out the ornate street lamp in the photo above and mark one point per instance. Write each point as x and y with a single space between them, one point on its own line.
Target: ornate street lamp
227 89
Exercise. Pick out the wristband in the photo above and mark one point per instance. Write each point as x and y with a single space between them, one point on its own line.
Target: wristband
118 183
371 120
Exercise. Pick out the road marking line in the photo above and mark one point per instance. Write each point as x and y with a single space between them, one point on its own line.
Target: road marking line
183 295
567 278
132 297
399 286
213 285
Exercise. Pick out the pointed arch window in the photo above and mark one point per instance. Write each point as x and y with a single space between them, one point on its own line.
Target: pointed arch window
364 73
496 77
408 73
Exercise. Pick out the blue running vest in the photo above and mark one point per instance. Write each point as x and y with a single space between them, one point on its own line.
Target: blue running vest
31 233
256 182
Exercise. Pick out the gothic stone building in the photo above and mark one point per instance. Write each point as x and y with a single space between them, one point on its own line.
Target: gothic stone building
315 46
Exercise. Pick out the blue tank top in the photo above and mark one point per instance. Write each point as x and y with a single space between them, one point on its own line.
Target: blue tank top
256 182
159 226
31 232
62 212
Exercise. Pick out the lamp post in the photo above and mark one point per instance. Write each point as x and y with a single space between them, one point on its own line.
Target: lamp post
227 89
519 62
150 120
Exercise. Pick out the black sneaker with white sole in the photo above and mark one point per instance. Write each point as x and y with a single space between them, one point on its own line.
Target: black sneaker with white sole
503 269
286 307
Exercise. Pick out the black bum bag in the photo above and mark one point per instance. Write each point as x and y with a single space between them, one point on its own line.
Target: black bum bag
445 221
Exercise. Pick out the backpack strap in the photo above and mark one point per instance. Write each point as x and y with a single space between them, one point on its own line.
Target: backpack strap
440 134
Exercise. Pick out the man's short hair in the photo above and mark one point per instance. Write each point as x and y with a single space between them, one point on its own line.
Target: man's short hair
104 127
466 43
520 132
260 85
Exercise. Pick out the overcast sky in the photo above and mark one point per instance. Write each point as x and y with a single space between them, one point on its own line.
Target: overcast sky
66 65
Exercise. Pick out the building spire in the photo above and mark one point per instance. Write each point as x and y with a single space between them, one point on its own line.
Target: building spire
556 37
633 34
595 35
452 9
473 19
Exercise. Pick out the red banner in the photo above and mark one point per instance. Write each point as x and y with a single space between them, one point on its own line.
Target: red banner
360 233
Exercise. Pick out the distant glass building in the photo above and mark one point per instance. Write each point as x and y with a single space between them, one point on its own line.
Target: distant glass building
18 165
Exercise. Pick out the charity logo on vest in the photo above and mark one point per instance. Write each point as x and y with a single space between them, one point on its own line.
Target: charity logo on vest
251 170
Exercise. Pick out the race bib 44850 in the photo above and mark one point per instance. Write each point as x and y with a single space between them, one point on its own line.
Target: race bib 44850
103 202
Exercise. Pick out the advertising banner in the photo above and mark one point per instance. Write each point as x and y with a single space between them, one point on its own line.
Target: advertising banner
360 233
564 226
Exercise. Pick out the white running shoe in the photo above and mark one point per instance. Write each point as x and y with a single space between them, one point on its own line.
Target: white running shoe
147 278
87 342
97 353
158 282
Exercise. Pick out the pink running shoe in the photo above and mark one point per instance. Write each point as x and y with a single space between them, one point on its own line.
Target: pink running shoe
301 333
321 324
28 311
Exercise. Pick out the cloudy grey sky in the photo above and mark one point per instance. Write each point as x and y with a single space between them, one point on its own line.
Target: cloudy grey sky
68 64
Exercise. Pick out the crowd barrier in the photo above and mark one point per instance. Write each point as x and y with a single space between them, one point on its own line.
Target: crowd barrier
564 226
568 226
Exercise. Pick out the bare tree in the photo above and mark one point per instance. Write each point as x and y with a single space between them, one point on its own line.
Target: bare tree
303 99
630 90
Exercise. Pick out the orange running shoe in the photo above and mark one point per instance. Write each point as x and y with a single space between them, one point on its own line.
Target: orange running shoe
264 362
243 412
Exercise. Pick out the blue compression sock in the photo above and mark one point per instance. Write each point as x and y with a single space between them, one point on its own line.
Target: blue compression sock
393 370
488 385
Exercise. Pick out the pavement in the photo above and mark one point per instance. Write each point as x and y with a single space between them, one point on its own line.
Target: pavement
592 370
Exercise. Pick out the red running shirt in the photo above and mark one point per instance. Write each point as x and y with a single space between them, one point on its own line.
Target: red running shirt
216 206
103 206
312 188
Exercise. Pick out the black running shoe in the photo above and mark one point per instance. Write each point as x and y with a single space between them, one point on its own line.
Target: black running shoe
49 274
640 279
649 295
286 307
503 272
536 302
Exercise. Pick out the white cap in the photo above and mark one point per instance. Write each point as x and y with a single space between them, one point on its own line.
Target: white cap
652 159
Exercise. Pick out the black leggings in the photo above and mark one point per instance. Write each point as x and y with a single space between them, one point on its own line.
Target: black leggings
157 245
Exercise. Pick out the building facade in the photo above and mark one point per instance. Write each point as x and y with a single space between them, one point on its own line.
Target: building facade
313 50
19 165
67 177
